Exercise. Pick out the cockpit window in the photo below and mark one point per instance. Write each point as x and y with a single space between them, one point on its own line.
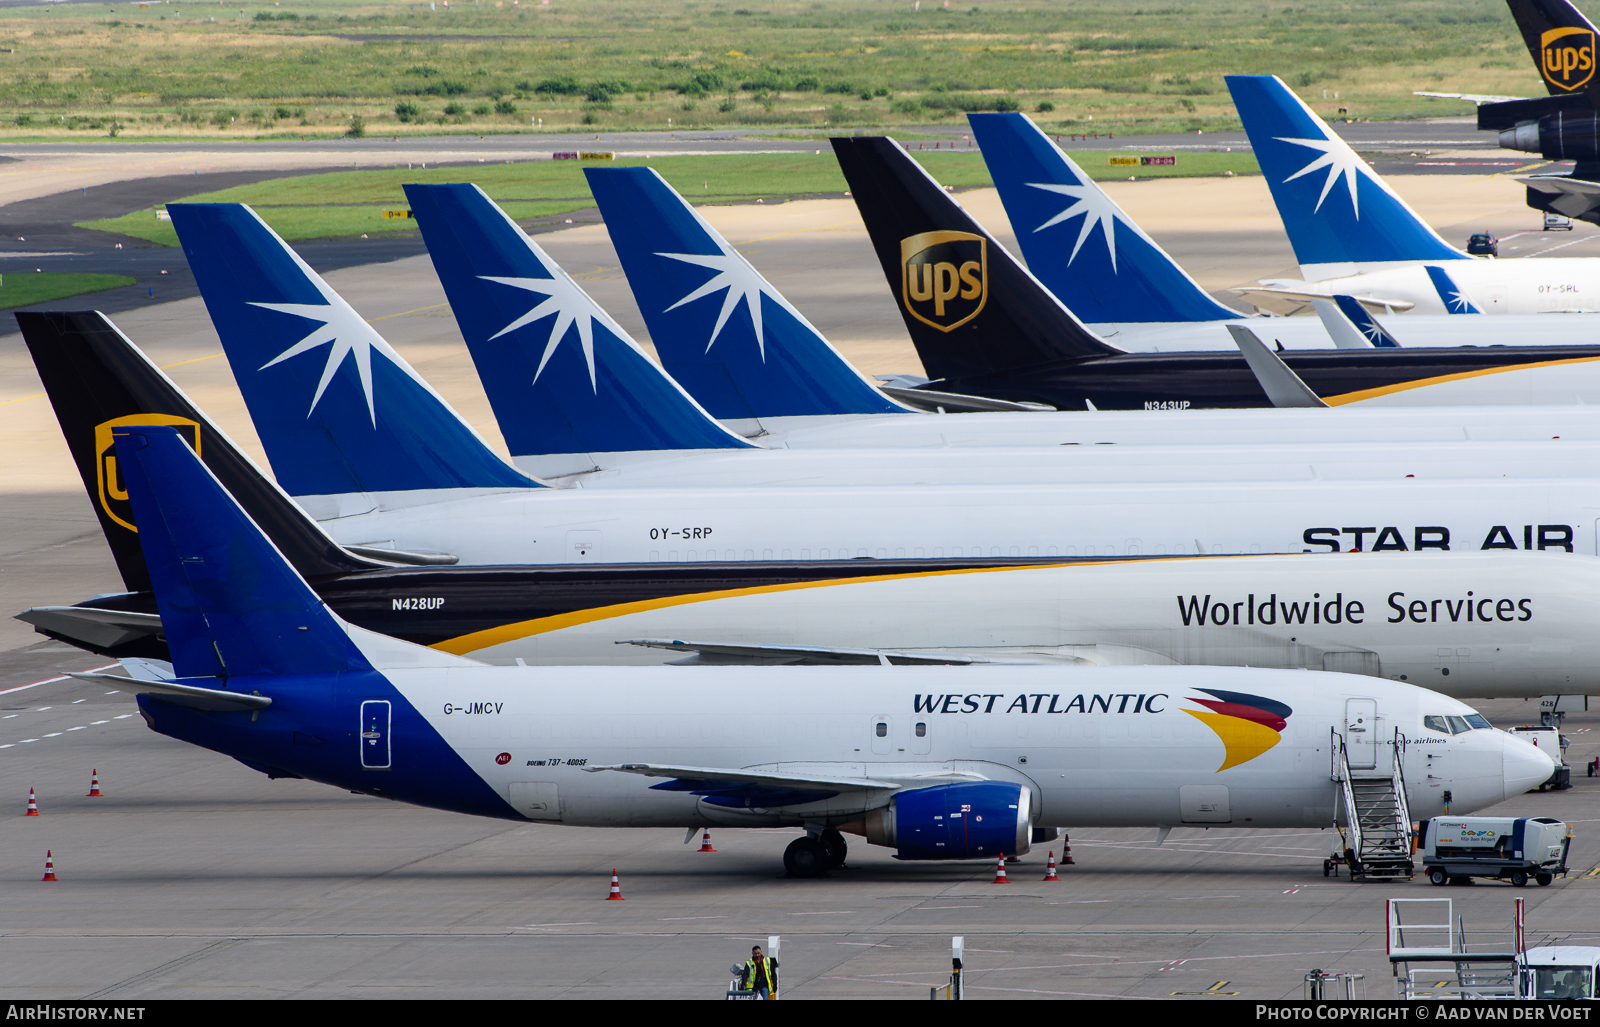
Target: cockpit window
1478 721
1559 982
1459 725
1436 724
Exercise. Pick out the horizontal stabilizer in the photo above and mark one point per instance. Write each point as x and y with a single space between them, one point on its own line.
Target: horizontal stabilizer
960 403
1287 300
101 629
1278 380
1562 184
184 695
1477 98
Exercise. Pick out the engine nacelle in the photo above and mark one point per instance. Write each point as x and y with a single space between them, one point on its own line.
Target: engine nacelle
1566 135
971 820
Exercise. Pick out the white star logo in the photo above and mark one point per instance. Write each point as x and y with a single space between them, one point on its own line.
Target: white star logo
343 329
741 281
571 306
1338 159
1096 208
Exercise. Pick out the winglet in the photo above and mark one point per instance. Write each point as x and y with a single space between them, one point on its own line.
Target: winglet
567 383
1282 386
1075 238
338 410
721 329
1450 294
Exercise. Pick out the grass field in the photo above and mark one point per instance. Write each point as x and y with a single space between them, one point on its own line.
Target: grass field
344 203
25 290
313 67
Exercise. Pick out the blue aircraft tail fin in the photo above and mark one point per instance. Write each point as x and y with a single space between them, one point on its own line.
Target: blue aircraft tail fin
564 379
720 328
1351 325
338 410
1077 241
1455 301
1335 208
230 604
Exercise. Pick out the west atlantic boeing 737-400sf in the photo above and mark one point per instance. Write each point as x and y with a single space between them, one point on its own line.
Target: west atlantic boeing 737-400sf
1471 624
265 673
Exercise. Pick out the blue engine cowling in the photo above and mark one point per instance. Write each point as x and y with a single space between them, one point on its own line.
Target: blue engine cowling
972 820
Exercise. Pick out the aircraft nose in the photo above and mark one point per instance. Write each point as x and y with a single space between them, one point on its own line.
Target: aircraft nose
1525 766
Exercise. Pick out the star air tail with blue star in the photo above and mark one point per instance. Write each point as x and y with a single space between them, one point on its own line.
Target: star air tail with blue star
1451 295
1076 240
338 410
1352 325
571 390
720 328
1341 217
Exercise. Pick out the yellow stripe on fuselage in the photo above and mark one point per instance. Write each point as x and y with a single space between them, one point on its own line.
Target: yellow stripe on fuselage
1420 383
1243 739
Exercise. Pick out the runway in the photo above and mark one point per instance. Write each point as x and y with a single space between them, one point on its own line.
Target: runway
197 877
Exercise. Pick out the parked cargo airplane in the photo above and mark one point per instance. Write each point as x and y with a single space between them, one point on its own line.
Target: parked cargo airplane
1011 338
1357 615
1087 251
1353 235
265 673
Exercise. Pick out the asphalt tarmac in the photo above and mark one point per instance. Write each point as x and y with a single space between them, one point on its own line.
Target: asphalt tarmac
195 876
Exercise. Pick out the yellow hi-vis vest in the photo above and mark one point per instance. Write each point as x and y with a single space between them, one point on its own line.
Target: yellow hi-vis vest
750 974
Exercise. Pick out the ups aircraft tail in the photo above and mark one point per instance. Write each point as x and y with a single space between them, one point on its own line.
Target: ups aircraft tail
99 381
338 410
970 307
567 383
1561 42
720 328
1335 208
1077 241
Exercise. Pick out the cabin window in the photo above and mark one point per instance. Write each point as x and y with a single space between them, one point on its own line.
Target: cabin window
1436 724
882 729
922 729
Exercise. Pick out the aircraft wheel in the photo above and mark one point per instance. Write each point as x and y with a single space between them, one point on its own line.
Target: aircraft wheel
1438 877
1545 879
1519 879
806 858
837 847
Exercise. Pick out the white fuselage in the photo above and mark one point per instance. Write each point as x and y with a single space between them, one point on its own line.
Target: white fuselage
1519 285
1115 747
1473 625
550 526
1412 331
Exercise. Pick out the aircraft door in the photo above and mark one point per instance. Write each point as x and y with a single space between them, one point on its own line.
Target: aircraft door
1361 732
881 742
375 720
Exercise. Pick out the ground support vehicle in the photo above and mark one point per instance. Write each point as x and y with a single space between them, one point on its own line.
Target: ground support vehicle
1457 849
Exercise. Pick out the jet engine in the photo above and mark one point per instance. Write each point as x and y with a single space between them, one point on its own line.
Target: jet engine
1565 135
970 820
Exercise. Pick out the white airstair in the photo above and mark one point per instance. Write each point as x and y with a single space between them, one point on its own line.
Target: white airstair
1377 821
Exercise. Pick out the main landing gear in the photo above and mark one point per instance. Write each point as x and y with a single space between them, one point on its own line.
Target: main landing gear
811 857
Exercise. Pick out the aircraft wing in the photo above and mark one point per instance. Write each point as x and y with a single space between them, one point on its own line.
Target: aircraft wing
184 695
101 628
1281 299
1476 98
748 653
767 789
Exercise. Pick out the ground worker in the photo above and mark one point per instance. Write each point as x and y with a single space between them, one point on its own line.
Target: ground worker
760 975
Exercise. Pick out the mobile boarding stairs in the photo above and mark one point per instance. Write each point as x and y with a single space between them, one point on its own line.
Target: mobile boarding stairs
1374 822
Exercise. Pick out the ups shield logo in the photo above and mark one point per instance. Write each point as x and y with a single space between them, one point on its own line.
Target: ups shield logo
113 492
1566 57
944 277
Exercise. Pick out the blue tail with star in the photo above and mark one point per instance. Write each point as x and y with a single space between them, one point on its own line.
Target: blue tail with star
566 382
338 410
721 329
1335 208
1077 241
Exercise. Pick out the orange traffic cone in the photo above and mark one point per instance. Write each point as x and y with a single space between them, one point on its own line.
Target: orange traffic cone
1050 868
33 805
705 842
1000 871
616 888
49 867
94 786
1066 851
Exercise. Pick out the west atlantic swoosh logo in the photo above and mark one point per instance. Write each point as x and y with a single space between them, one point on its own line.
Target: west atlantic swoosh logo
1248 724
